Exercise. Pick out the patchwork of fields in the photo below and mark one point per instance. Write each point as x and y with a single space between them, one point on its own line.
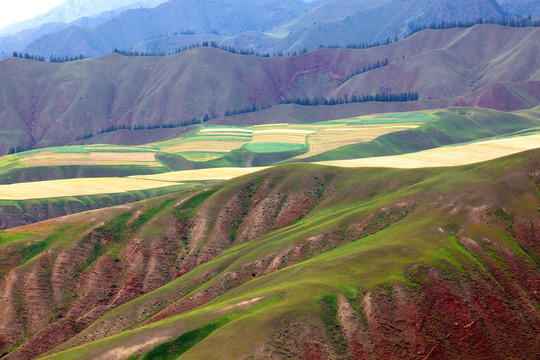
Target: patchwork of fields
444 156
212 142
203 149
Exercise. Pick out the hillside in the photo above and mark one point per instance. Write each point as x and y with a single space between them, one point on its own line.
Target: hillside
271 179
46 104
451 126
407 263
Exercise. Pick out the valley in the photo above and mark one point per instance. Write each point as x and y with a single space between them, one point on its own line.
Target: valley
278 179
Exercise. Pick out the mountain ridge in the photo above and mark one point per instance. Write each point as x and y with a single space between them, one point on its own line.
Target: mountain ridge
303 25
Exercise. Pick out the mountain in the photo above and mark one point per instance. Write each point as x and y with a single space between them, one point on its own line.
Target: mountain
271 26
21 39
294 25
132 27
72 10
297 261
326 12
48 104
248 41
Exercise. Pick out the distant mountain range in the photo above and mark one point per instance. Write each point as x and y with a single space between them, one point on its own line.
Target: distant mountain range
133 27
83 13
96 28
72 10
46 104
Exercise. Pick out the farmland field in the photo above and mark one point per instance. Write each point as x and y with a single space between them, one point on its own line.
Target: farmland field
94 186
448 155
219 152
76 187
211 142
55 158
444 156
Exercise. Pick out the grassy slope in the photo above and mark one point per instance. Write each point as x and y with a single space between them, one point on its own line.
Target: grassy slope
453 126
335 269
373 234
14 213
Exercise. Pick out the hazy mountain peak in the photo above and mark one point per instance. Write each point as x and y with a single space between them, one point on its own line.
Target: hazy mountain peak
74 9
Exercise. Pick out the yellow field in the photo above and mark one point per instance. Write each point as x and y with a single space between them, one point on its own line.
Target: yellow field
204 145
330 138
95 186
448 155
284 133
231 130
52 158
122 157
76 187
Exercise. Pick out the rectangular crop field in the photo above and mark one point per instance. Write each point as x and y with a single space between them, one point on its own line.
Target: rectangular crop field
76 187
55 158
333 137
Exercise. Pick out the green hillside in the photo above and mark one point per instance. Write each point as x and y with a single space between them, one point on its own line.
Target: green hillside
452 126
351 261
